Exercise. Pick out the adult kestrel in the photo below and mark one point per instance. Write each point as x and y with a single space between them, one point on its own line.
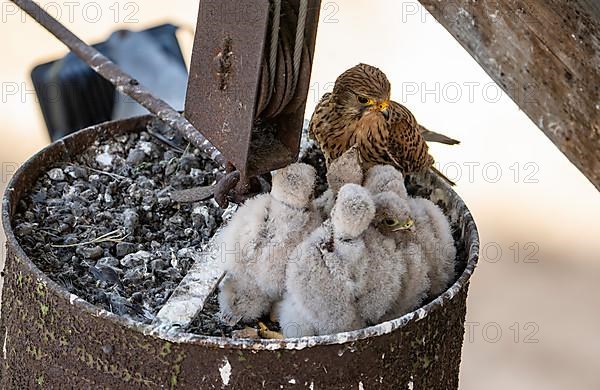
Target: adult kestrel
359 112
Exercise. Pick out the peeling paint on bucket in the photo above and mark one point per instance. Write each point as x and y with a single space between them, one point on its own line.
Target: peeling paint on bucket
225 371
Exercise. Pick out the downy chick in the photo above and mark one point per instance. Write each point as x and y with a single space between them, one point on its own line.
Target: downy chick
395 221
322 286
343 170
387 268
432 229
382 178
433 232
256 243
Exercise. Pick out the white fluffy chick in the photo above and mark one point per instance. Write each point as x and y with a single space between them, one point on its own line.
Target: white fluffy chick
383 178
432 230
322 286
433 233
384 279
255 245
407 282
344 170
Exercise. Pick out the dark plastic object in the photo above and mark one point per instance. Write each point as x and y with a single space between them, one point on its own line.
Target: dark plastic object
72 96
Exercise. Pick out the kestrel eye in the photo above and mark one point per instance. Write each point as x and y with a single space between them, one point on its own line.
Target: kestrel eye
390 222
363 100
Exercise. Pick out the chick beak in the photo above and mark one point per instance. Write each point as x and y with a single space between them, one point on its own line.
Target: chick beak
410 227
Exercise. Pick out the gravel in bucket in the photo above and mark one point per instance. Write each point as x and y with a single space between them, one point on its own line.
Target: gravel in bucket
104 225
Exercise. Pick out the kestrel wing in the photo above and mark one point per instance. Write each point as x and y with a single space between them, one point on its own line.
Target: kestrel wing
321 106
432 136
406 146
397 147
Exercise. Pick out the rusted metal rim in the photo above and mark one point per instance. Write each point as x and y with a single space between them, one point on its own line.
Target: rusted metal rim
34 165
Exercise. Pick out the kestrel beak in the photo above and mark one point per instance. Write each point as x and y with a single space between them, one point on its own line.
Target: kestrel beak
408 226
383 108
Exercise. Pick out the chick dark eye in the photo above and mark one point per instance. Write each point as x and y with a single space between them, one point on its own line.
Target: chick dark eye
363 100
389 222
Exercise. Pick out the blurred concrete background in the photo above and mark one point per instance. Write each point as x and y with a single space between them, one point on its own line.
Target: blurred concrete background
533 313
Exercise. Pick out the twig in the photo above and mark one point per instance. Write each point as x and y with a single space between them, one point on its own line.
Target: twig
108 237
113 175
165 141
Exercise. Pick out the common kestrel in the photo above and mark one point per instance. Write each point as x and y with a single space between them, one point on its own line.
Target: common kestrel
359 112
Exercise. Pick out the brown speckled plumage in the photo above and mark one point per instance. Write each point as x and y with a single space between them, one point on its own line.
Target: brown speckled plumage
359 112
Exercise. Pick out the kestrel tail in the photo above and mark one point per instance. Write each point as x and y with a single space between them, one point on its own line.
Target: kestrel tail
359 112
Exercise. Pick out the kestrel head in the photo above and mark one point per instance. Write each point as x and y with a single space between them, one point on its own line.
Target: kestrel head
383 178
294 185
353 211
393 214
345 169
363 89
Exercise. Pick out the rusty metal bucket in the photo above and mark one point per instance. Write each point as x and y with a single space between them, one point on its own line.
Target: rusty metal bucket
52 339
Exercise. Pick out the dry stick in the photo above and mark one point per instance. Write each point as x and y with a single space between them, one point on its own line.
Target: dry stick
110 174
198 284
123 82
113 236
191 294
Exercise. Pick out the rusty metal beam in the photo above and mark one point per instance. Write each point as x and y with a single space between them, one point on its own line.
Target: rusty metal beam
123 82
546 57
257 126
225 71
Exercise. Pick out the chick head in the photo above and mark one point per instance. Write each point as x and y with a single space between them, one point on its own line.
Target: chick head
393 214
345 169
353 211
294 185
382 178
